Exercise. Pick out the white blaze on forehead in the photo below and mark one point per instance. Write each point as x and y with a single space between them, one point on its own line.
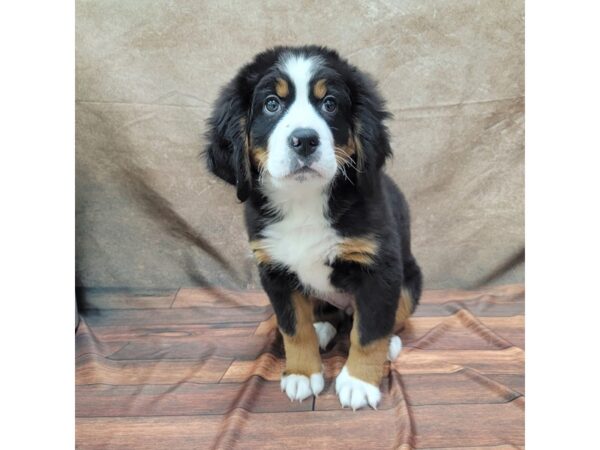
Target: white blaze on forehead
300 70
300 114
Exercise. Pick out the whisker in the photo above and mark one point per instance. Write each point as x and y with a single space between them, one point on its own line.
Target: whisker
342 160
343 170
345 158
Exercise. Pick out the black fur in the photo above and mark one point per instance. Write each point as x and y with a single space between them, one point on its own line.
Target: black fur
364 202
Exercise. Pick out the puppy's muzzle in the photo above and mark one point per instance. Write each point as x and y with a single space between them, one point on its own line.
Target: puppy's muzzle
304 142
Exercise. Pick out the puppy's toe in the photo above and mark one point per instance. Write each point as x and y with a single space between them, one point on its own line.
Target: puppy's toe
325 333
317 383
354 392
394 348
299 387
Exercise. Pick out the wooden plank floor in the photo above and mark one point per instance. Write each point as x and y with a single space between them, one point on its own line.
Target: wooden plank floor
197 368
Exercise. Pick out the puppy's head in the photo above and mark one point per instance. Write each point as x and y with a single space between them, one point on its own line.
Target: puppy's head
297 116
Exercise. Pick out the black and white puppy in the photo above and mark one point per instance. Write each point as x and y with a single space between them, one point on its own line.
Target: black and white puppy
300 133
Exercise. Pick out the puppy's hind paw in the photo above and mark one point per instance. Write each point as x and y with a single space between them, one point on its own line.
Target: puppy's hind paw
394 348
325 333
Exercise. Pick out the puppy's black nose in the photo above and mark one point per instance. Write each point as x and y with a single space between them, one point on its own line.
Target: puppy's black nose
304 141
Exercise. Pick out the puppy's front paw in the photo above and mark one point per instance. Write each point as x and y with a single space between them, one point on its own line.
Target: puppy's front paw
299 387
354 392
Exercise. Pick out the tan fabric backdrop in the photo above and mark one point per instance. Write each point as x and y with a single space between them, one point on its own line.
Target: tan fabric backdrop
148 214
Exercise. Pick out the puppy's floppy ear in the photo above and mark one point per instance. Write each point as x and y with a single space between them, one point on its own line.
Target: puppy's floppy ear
227 153
371 136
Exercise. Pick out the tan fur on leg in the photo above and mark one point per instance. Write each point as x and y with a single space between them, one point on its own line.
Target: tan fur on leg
302 349
366 362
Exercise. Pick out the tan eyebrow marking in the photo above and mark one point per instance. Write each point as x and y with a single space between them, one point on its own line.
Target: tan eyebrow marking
320 88
281 88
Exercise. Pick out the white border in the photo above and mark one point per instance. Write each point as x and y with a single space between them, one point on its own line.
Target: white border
38 210
37 194
562 224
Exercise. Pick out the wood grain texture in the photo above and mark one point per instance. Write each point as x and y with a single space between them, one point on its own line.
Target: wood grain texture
201 369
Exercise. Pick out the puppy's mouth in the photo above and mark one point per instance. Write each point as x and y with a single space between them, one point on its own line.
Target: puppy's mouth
303 172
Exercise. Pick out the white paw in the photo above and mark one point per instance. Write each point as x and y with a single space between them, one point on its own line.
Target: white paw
394 348
299 387
354 392
325 333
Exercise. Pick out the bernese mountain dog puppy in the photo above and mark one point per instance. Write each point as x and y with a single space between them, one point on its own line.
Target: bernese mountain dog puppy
300 132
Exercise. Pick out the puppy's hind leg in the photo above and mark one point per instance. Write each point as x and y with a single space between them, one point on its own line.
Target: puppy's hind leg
409 299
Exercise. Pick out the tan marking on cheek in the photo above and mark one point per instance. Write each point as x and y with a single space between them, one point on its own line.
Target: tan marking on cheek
260 157
260 252
350 147
281 88
366 362
362 250
343 153
302 349
320 88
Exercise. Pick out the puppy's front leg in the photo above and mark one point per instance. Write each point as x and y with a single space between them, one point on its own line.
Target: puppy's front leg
303 375
357 385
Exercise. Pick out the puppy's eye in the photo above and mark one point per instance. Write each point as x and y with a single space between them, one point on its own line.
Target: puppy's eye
329 104
272 104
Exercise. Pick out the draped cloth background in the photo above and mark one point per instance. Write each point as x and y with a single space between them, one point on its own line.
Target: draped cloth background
149 215
150 220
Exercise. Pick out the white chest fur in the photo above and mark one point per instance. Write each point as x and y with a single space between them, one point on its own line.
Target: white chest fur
303 240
